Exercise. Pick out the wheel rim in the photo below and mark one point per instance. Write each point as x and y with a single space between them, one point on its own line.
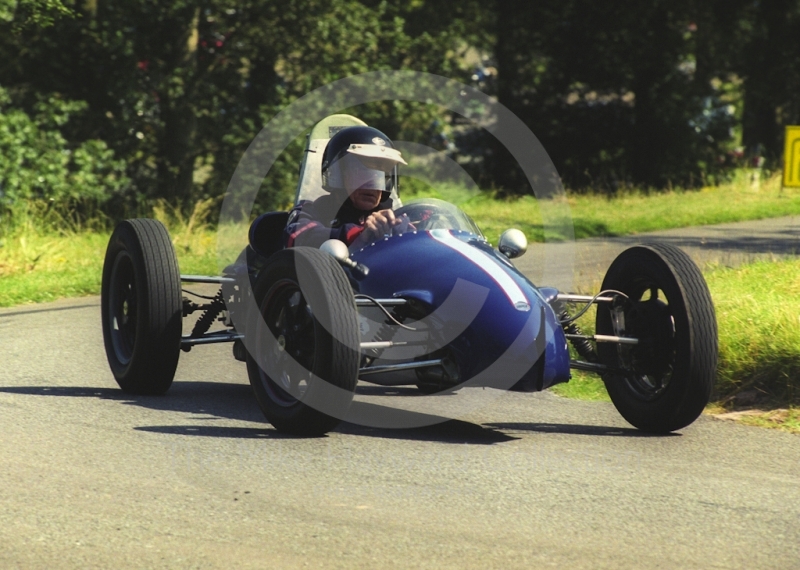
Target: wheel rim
647 316
290 321
123 308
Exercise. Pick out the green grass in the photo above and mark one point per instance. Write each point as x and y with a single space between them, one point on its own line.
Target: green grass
583 386
629 212
758 311
46 261
637 212
37 268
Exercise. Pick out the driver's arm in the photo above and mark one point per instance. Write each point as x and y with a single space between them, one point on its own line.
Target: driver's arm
379 224
305 229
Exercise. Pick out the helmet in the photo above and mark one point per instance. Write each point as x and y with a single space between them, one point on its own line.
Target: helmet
358 157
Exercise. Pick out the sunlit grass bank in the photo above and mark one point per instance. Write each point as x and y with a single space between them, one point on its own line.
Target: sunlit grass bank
46 259
39 268
629 212
639 212
36 268
758 310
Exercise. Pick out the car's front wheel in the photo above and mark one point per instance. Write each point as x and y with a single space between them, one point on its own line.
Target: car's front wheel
303 342
662 383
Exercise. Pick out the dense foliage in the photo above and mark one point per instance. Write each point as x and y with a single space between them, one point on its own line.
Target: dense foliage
655 93
37 162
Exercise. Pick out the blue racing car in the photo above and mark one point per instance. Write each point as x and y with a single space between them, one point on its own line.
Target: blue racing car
435 302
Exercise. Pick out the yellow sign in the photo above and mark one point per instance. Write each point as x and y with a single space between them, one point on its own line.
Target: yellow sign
791 157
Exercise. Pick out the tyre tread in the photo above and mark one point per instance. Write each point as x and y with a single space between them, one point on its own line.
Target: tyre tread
339 318
157 346
681 406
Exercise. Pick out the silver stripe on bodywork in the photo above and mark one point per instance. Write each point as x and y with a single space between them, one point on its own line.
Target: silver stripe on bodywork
492 269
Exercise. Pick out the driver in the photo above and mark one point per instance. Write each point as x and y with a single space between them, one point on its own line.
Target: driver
359 169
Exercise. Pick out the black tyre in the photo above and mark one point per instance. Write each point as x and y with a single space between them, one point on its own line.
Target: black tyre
669 375
303 344
141 307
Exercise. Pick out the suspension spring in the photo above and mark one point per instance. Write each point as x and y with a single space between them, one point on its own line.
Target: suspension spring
386 332
207 318
582 345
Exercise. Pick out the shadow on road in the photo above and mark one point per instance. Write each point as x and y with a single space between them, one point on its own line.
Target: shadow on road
449 431
266 432
236 402
394 391
719 241
579 429
217 399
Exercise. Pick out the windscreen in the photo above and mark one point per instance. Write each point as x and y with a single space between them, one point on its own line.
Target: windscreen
433 214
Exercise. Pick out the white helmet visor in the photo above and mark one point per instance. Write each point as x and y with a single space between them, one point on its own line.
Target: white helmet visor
364 166
357 175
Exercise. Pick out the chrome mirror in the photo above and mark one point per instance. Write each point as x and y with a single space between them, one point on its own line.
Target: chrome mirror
337 249
513 243
340 253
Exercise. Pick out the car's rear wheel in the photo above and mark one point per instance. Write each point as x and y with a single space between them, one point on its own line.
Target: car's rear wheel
303 344
665 381
141 307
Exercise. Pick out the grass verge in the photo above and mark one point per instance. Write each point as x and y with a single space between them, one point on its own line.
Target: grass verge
629 212
40 263
37 268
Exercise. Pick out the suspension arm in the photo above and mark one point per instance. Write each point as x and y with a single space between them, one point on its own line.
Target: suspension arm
570 298
603 338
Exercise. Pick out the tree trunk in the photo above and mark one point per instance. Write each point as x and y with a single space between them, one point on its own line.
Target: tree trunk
177 145
650 68
502 166
766 80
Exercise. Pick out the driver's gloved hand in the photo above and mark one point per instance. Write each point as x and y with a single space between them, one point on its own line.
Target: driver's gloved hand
404 226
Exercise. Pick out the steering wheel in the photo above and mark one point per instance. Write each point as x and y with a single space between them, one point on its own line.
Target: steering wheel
425 217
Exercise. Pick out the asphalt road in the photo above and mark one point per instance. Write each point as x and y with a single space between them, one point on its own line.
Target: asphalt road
582 264
195 479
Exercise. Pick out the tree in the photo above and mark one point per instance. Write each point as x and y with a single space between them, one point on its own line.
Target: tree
159 80
36 162
771 75
612 90
178 89
24 14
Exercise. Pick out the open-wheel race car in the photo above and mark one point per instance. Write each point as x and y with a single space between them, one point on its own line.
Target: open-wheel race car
436 303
